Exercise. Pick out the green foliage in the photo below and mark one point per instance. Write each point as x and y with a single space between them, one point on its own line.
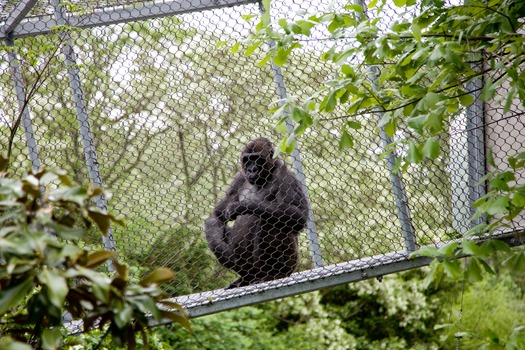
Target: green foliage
44 274
489 315
426 61
400 312
500 206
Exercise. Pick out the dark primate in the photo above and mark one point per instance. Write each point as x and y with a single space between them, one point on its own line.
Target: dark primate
269 208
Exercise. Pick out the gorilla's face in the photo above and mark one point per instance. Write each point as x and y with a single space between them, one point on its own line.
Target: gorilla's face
257 168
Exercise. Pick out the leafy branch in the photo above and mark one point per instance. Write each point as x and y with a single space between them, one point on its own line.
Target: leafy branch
44 274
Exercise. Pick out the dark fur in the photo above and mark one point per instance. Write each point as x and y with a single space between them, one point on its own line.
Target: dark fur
267 204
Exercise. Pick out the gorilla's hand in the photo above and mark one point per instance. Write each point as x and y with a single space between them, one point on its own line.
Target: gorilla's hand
233 210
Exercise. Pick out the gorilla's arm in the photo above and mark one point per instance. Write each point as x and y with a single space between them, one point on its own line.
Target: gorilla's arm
232 196
215 226
289 208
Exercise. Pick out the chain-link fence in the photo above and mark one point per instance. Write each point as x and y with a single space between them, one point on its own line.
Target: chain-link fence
145 99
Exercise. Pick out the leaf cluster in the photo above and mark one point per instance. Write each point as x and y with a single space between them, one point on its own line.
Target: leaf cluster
46 278
502 203
418 72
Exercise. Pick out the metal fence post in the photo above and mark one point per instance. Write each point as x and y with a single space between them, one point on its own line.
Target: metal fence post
476 147
18 83
297 165
83 122
403 211
315 248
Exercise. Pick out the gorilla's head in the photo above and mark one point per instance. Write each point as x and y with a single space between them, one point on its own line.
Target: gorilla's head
257 161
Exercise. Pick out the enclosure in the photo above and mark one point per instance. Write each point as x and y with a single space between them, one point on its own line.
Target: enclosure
147 100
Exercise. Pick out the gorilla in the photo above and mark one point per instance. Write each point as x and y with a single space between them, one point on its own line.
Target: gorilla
254 229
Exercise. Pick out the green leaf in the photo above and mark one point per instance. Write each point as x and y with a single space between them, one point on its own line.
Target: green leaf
518 200
344 97
347 70
498 245
176 317
391 127
299 115
414 156
473 271
4 162
51 338
282 22
57 287
517 161
123 316
251 48
471 248
431 149
486 267
354 125
98 258
428 251
516 261
235 48
14 294
417 123
281 55
355 8
306 26
158 276
346 141
453 269
66 232
101 218
434 276
281 125
490 158
331 102
488 91
416 31
400 3
498 206
174 305
435 120
266 59
448 249
6 343
76 195
510 100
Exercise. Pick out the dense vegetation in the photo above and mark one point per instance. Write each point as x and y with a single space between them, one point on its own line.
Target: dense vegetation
166 152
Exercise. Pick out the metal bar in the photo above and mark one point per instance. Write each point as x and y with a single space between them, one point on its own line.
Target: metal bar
22 8
297 165
303 282
458 168
403 211
123 14
476 146
207 303
83 123
23 107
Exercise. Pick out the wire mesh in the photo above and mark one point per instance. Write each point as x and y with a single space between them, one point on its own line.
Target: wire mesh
169 108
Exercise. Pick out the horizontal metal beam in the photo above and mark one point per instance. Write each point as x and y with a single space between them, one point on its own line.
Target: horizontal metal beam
122 14
206 303
16 16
